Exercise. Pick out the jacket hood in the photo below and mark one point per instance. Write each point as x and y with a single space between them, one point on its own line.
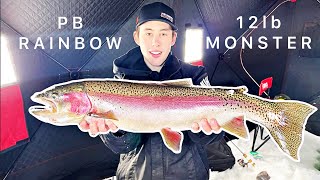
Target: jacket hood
130 64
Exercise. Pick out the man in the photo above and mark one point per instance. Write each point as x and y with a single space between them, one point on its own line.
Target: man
145 156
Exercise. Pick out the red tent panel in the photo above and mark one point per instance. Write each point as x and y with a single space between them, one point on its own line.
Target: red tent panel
12 123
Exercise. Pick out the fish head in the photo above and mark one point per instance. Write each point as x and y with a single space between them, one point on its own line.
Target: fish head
65 104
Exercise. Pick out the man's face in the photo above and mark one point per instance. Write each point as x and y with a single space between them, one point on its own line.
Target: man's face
155 39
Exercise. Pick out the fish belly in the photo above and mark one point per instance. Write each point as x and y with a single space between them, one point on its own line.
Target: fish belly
153 120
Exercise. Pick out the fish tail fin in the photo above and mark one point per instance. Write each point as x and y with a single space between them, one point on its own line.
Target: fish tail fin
288 125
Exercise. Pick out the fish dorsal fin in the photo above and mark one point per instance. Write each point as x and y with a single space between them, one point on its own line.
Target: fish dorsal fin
186 82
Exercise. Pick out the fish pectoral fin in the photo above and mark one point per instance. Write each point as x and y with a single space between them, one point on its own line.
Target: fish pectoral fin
106 115
172 139
237 127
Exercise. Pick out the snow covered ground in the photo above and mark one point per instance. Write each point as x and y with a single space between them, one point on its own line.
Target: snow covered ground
274 162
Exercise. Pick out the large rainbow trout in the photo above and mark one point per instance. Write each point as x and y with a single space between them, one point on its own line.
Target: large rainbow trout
170 107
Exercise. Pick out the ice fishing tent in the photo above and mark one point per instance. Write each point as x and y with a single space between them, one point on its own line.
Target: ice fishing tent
49 152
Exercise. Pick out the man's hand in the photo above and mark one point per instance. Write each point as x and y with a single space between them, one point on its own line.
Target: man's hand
97 125
207 126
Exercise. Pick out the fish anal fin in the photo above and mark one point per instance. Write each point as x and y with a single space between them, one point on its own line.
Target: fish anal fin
237 127
172 139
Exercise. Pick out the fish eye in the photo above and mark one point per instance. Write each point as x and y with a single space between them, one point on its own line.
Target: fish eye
54 95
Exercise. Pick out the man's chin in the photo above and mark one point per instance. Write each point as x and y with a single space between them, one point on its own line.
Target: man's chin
155 62
158 61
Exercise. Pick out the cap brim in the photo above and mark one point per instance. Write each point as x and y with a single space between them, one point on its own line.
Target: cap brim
171 24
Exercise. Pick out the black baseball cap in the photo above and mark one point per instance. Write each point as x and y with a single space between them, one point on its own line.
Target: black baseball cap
157 11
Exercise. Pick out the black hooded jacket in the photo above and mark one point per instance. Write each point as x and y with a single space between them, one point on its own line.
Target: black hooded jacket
145 156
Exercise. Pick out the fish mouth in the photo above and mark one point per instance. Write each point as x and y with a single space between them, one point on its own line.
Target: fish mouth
48 106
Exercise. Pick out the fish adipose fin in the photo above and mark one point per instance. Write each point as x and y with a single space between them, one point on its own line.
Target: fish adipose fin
242 89
172 139
237 127
288 127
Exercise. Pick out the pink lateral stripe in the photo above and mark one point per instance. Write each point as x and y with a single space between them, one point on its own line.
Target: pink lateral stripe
163 102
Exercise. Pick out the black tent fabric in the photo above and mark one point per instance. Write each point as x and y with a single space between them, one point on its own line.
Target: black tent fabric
65 152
